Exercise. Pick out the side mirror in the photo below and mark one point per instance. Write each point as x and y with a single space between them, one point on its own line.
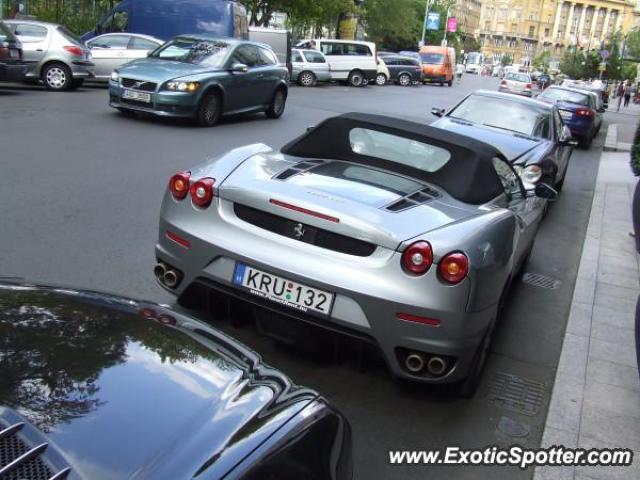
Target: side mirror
310 127
543 190
438 112
239 68
567 139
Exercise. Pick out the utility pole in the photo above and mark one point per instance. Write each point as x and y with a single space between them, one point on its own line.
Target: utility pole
424 23
446 25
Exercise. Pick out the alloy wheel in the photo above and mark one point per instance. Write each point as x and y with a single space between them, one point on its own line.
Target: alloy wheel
56 78
307 79
381 79
404 80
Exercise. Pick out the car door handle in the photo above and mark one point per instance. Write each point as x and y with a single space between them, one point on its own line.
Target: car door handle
260 75
39 50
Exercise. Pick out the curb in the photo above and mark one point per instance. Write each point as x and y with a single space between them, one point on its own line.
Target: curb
611 143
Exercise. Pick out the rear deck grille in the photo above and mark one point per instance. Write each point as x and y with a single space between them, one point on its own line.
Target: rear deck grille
313 235
417 198
19 461
139 85
298 168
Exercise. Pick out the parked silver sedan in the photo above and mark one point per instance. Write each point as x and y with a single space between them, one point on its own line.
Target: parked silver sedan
111 50
309 67
59 59
518 83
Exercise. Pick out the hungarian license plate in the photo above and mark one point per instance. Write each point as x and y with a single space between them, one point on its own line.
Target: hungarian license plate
283 291
134 95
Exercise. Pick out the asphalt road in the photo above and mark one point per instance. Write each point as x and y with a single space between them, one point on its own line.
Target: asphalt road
80 191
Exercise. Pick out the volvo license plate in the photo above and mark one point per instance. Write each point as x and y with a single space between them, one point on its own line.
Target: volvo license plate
134 95
283 291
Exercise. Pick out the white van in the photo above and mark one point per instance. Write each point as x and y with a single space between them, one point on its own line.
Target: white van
349 60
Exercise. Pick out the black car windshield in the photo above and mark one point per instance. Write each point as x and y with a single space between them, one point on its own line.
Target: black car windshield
192 50
505 114
566 96
432 58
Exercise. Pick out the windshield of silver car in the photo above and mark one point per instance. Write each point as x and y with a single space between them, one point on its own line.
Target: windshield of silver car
398 149
513 116
192 50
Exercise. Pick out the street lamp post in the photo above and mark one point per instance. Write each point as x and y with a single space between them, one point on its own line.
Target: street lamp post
446 22
424 23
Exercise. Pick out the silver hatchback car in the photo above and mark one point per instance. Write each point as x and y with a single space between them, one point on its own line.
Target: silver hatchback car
59 59
309 67
518 83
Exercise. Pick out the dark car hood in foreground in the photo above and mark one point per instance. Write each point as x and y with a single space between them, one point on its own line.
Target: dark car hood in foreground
159 71
121 395
511 144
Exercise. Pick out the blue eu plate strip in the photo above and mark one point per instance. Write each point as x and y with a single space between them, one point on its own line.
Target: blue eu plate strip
238 275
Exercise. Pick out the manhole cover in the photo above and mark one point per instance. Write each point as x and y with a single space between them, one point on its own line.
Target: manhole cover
539 280
516 394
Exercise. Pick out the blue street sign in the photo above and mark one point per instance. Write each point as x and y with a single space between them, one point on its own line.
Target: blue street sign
433 21
604 54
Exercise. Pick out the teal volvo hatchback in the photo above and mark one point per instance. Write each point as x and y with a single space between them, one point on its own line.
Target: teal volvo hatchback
204 78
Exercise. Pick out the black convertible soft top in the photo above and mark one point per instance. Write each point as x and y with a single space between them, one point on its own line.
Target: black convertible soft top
468 176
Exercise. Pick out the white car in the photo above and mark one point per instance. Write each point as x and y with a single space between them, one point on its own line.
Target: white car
351 61
383 75
111 50
309 67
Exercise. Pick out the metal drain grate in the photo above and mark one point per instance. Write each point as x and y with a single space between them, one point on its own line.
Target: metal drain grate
539 280
516 394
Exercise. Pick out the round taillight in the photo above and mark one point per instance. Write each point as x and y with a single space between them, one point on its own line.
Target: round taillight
179 185
454 267
418 257
202 192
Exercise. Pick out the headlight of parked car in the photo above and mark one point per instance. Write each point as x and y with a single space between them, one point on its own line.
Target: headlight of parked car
182 86
530 174
115 76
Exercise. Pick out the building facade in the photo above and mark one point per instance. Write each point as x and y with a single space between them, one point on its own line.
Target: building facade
468 14
524 28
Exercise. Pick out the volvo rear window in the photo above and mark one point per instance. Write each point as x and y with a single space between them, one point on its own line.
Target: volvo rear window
402 150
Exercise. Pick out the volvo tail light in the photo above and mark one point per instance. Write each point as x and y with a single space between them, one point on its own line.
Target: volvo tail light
528 86
417 257
453 267
74 50
503 82
531 174
179 185
202 192
585 112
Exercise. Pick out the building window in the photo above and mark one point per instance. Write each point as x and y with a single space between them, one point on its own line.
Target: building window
546 32
532 31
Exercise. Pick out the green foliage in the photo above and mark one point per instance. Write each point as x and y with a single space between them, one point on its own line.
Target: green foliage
506 60
635 153
542 61
633 44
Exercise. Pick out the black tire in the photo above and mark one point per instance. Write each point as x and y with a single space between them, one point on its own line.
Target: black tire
356 78
404 79
585 143
127 112
450 82
56 77
210 109
442 84
306 79
77 83
381 79
279 101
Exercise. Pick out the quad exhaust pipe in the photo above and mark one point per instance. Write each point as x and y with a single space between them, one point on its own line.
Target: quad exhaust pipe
167 275
416 362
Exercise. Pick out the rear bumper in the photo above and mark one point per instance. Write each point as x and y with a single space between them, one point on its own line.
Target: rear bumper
369 291
80 69
524 93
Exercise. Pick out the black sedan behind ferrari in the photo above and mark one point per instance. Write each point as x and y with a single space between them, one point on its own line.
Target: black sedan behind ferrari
98 387
530 134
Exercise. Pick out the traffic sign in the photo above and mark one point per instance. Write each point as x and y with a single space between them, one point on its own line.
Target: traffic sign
604 54
602 67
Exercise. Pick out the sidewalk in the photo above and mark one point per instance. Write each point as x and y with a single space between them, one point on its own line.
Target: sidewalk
595 401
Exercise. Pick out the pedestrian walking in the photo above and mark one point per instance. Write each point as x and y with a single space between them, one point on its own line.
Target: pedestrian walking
620 94
627 94
633 91
459 72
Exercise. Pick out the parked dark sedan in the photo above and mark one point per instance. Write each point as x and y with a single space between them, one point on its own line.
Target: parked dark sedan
12 65
579 111
202 77
404 70
98 387
529 133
